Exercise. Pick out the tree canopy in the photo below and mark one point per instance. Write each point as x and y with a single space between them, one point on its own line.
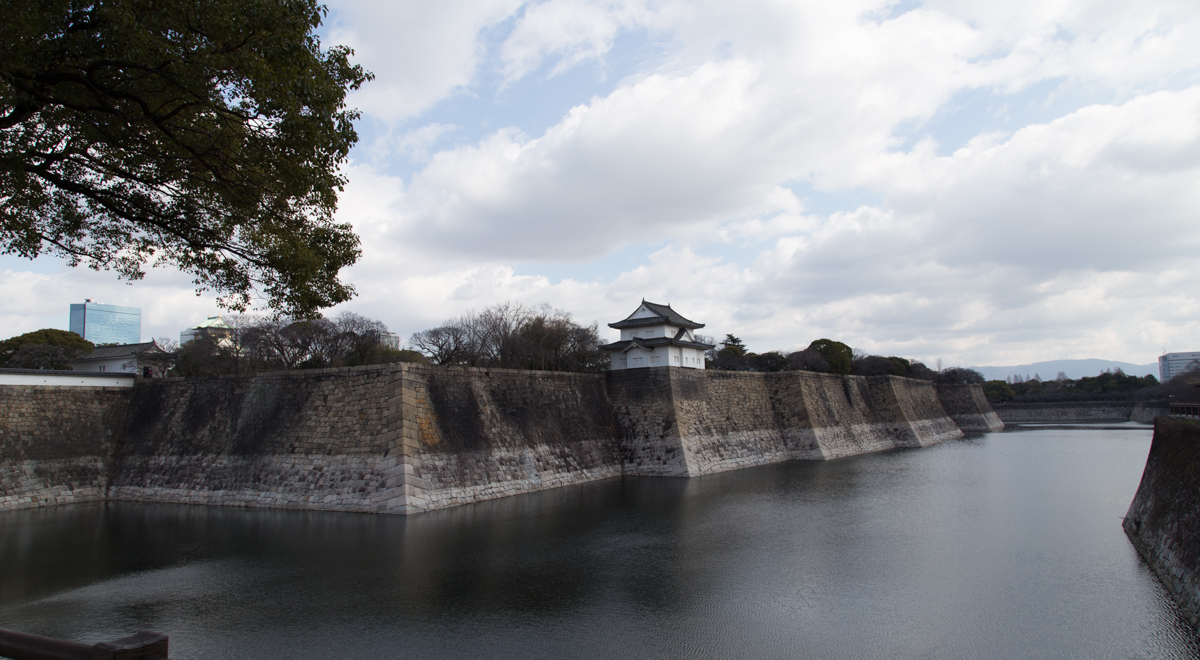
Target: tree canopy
205 134
732 347
1107 385
48 348
46 336
836 354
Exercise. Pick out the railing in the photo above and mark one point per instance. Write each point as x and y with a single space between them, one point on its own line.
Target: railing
1186 409
23 646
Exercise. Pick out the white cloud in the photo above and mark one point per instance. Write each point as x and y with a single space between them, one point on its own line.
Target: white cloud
1069 237
420 52
569 31
1015 245
1100 188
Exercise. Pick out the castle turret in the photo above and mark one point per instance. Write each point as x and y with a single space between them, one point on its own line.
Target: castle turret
656 336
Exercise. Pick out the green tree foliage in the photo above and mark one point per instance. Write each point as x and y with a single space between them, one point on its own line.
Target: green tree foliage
998 390
42 356
738 359
877 365
731 355
202 133
959 375
810 359
1105 386
1114 381
768 362
47 348
836 354
732 347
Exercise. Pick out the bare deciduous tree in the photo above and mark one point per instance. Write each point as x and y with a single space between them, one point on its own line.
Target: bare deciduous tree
511 335
270 344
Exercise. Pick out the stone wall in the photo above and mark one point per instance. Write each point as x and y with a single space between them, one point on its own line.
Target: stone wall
408 438
1066 411
1075 411
1163 521
56 443
1146 411
968 406
853 415
476 434
918 404
686 422
323 439
647 423
393 439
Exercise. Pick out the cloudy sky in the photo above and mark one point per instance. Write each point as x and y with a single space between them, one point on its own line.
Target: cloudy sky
977 182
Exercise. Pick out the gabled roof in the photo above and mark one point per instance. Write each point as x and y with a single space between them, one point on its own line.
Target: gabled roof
651 343
660 314
121 350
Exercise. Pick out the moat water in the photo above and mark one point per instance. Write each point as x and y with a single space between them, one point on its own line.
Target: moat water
1008 545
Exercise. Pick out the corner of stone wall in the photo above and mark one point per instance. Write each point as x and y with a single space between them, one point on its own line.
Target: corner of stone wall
968 406
405 485
918 403
1163 521
643 402
790 400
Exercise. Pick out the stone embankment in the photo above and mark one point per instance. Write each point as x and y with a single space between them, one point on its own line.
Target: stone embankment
687 422
56 443
1081 411
1163 521
408 438
969 408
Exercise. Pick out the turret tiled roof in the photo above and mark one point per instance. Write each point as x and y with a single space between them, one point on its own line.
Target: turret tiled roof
663 314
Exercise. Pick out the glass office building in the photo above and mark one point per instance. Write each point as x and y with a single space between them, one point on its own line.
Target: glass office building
107 324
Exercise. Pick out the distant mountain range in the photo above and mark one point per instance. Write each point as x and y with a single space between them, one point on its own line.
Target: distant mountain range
1074 369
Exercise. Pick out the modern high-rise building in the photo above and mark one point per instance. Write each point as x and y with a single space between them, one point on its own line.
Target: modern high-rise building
390 340
1171 365
106 324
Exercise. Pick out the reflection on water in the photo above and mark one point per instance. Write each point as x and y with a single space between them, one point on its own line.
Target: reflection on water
1008 545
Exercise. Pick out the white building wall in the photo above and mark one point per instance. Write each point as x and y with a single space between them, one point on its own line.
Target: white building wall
118 365
651 331
667 356
1171 365
66 380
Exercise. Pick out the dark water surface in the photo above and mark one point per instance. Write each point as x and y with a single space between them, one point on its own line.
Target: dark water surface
1005 546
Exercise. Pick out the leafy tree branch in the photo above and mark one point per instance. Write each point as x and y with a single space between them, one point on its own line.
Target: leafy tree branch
205 134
